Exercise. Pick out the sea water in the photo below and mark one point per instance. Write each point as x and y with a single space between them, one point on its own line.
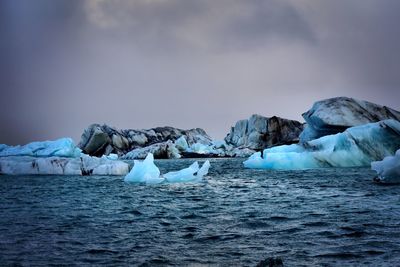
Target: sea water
236 217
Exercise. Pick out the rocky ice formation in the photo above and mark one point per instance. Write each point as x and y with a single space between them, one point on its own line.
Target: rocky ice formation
180 148
164 150
147 172
356 146
98 140
59 157
260 132
334 115
388 169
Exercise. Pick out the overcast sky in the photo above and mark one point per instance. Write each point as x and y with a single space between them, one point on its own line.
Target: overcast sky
187 63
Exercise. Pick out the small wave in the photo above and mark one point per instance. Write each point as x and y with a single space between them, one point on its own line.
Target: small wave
101 251
315 224
339 255
279 218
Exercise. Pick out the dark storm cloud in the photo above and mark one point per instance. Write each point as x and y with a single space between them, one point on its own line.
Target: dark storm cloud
144 63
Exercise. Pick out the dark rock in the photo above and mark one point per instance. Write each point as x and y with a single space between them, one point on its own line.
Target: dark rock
94 140
260 132
98 140
335 115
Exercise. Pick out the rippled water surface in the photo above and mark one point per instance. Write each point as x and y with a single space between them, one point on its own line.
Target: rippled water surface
329 217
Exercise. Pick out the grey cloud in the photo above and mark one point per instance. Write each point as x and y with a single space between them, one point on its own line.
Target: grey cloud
266 20
145 63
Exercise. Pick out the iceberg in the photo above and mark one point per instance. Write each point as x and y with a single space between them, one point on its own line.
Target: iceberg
144 171
83 165
191 174
388 169
64 147
357 146
335 115
59 157
147 172
103 166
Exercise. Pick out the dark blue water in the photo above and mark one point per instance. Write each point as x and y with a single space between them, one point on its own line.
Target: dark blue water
329 217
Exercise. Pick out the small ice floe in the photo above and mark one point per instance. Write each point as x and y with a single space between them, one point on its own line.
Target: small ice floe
388 169
147 172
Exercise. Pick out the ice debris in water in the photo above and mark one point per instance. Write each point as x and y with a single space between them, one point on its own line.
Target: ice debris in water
144 171
147 172
191 174
388 169
357 146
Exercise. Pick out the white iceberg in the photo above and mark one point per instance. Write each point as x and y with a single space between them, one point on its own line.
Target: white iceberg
102 166
191 174
147 172
357 146
388 169
83 165
59 157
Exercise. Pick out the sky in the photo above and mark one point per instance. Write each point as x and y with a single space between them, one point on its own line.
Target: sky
187 63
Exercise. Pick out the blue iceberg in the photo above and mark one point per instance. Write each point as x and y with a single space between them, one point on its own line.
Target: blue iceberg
64 147
147 172
357 146
191 174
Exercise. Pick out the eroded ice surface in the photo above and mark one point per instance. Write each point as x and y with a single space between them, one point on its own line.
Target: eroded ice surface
388 169
59 157
357 146
147 172
64 147
83 165
144 171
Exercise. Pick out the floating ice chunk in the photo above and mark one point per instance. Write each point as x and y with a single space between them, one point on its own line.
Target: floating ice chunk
147 172
388 169
357 146
63 147
186 174
144 171
203 170
191 174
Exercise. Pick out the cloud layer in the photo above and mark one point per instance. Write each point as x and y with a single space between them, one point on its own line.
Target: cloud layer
145 63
